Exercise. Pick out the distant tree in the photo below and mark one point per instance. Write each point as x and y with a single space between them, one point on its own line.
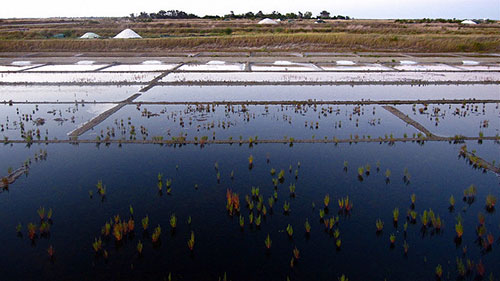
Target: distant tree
324 15
249 15
259 14
300 15
308 15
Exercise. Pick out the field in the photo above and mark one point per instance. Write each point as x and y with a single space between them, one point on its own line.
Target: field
247 35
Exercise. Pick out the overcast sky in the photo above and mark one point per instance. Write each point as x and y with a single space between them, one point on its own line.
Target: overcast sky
356 8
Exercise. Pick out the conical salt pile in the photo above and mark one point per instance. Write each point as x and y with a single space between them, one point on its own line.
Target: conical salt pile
127 34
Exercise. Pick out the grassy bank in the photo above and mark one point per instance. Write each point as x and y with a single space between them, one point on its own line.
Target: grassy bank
272 42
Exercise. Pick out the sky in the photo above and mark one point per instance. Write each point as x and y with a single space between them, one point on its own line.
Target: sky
370 9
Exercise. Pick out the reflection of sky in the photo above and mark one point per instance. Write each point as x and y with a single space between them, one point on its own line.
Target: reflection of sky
357 8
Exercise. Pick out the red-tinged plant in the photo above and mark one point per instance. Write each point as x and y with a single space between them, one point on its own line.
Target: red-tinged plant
405 247
459 229
341 203
490 202
307 226
118 231
145 222
44 227
326 222
41 212
439 271
296 253
481 218
191 241
156 234
392 238
31 231
268 242
51 251
379 224
326 200
480 269
348 204
491 239
131 225
233 202
125 228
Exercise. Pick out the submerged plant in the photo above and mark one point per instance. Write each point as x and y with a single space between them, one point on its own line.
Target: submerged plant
490 202
326 200
405 247
233 202
459 229
292 190
97 245
258 220
413 198
173 221
268 242
286 207
289 230
51 251
452 201
145 222
321 213
379 224
307 226
296 253
31 231
156 234
242 221
101 189
41 212
361 171
139 247
338 242
190 242
439 271
281 175
392 238
395 215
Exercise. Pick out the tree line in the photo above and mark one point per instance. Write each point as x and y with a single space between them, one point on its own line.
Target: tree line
176 14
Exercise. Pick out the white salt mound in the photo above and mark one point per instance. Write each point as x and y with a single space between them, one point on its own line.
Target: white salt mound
127 34
408 62
89 35
267 21
468 22
85 62
470 62
216 62
152 62
21 63
345 62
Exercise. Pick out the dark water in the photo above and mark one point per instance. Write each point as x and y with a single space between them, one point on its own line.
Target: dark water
62 182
